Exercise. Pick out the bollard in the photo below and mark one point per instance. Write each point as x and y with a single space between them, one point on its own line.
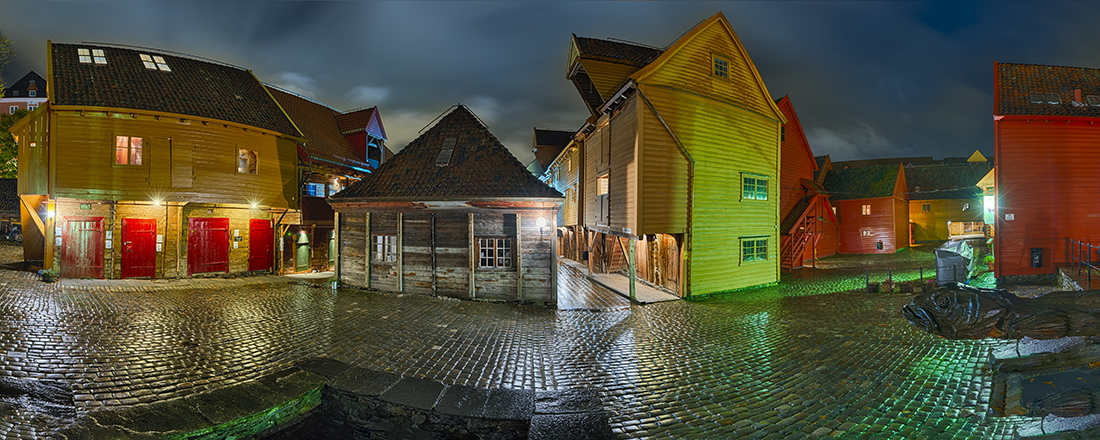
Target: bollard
921 269
867 279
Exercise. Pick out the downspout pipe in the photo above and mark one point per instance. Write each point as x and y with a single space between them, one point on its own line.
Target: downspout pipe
690 189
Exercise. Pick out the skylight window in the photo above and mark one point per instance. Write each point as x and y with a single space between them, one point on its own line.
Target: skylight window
154 63
1053 98
99 57
1093 100
444 157
85 55
1037 98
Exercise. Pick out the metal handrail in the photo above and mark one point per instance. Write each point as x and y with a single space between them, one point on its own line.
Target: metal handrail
1074 259
955 268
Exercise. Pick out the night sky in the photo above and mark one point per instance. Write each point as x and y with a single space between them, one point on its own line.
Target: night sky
867 79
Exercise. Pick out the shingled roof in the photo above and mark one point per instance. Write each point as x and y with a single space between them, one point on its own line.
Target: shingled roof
193 87
366 120
479 167
318 124
549 144
869 182
24 84
948 181
1016 82
616 50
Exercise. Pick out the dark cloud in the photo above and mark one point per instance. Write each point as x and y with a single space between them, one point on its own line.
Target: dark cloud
868 79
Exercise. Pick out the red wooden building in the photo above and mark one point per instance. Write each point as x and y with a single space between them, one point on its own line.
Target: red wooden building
872 207
807 216
1045 148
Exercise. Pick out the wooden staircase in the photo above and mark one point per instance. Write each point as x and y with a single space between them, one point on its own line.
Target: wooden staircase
798 230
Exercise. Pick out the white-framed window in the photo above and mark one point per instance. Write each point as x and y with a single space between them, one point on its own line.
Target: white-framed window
246 161
1053 98
128 150
31 108
754 249
384 247
315 189
12 109
88 56
721 67
32 93
1036 98
494 252
155 63
754 187
866 209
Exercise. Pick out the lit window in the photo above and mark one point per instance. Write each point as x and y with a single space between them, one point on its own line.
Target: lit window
754 250
334 188
1037 98
602 185
148 62
315 189
918 188
1093 100
754 188
865 232
385 248
85 55
926 208
128 150
721 67
494 252
1053 98
98 56
866 209
966 207
246 161
32 93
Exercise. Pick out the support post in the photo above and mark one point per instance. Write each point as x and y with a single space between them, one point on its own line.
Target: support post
401 252
633 269
367 254
472 252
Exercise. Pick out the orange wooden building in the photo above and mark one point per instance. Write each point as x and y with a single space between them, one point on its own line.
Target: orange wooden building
872 207
807 216
1045 138
145 164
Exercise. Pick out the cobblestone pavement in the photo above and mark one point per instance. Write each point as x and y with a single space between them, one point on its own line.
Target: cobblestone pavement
776 362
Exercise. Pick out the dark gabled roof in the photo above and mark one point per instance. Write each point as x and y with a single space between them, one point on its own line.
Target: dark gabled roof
367 120
821 160
616 50
948 181
869 182
24 84
1016 82
9 195
193 87
318 124
549 144
903 161
479 167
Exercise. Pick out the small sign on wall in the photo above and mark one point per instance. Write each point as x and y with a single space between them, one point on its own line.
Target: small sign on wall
1010 216
110 234
160 239
110 244
57 231
57 241
160 247
234 245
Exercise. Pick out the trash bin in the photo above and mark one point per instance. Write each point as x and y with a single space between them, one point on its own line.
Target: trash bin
954 262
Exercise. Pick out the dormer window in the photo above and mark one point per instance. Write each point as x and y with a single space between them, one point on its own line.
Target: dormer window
1093 100
32 93
721 67
154 63
1053 98
14 93
88 56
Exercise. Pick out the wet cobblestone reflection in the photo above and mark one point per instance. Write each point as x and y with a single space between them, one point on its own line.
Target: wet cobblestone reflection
758 365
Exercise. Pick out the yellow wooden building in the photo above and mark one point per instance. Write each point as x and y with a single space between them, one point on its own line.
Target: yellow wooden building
679 182
145 164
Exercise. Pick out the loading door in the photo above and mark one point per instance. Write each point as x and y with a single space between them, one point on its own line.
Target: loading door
82 253
259 244
302 253
139 247
208 245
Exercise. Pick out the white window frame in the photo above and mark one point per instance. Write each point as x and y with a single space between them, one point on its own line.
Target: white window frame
384 248
752 190
756 247
494 253
13 109
32 93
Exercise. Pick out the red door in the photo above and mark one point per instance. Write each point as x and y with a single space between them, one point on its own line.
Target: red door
82 253
207 245
139 247
259 244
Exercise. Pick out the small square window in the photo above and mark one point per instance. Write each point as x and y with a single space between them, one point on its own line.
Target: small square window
754 250
99 57
161 64
128 150
926 208
494 252
14 93
1053 98
754 188
148 62
721 68
32 93
314 189
32 82
85 55
385 248
12 109
866 209
31 108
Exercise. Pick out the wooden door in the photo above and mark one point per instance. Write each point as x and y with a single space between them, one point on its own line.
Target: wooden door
139 247
207 245
82 253
259 244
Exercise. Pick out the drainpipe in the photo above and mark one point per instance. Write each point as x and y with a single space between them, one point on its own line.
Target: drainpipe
690 189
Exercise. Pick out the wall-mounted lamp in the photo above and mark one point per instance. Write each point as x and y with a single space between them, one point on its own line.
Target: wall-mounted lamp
541 223
50 213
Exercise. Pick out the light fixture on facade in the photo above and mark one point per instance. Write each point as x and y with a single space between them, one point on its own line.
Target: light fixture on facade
541 223
50 213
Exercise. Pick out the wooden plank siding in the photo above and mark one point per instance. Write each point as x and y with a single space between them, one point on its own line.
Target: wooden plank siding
495 283
416 252
565 176
623 178
170 149
353 248
931 225
879 224
607 76
536 258
797 162
452 254
662 179
1046 180
901 221
726 141
33 165
383 274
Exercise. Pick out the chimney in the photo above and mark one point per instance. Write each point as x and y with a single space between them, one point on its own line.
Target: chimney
1077 95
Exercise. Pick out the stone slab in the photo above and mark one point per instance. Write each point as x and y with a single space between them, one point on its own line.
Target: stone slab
573 400
364 382
590 425
508 404
324 366
414 392
463 401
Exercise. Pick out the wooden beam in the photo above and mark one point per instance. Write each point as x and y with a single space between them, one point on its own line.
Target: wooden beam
473 254
367 253
400 252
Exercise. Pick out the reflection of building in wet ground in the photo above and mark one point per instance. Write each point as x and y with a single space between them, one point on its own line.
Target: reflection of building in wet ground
782 361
